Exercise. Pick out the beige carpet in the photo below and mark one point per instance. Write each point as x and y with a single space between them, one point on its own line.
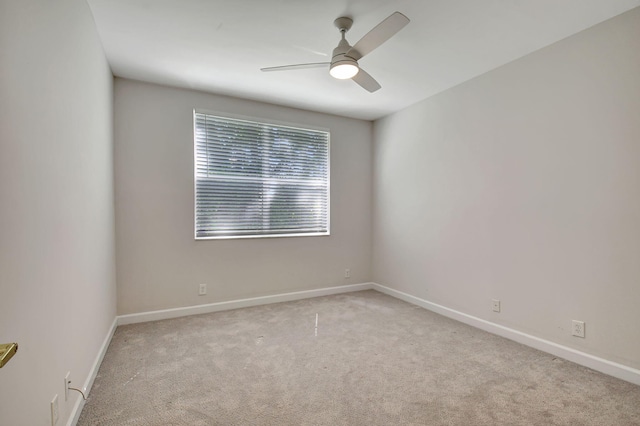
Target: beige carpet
374 361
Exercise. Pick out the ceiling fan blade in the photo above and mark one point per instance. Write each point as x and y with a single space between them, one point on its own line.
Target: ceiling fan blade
366 81
378 35
297 66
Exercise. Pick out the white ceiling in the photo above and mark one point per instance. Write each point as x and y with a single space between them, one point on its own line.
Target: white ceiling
219 46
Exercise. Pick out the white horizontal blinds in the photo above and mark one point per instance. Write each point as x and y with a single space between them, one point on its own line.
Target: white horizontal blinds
257 179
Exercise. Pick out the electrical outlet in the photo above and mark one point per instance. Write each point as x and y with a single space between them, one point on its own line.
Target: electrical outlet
67 381
496 305
347 273
577 328
203 289
55 412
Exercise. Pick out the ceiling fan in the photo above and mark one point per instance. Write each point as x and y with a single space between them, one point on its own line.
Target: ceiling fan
344 61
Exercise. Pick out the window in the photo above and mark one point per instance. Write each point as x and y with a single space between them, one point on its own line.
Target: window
259 179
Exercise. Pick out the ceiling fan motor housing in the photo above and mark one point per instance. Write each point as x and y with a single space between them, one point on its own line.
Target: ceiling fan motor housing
340 54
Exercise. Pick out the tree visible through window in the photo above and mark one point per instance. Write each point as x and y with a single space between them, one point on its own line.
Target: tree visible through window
259 179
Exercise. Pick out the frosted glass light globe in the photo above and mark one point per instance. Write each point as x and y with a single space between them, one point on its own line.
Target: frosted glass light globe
344 70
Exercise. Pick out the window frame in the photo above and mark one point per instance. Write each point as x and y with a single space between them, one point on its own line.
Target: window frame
267 121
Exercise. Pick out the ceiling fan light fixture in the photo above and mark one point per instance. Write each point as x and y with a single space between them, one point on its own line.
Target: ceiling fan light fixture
343 70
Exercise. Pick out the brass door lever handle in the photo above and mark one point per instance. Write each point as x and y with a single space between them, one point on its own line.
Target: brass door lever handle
7 351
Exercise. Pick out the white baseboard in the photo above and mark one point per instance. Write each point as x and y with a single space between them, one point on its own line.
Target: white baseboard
77 407
602 365
241 303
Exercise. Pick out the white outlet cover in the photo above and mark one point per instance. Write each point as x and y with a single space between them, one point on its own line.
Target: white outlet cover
55 412
577 328
66 385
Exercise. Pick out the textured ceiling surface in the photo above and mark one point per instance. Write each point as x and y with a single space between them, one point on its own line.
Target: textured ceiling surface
219 46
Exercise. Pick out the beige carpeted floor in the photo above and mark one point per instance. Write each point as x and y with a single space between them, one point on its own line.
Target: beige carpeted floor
372 360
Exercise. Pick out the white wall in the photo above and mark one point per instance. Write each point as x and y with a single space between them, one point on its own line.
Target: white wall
57 278
160 264
523 185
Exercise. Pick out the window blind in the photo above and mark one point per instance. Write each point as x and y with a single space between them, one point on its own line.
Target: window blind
259 179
